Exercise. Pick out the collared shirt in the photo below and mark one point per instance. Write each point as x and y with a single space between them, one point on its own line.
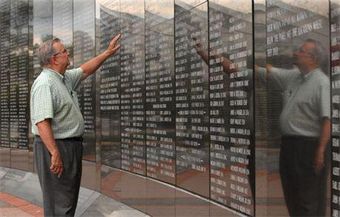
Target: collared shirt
53 96
306 100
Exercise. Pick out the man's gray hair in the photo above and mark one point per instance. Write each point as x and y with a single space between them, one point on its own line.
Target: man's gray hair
46 51
319 51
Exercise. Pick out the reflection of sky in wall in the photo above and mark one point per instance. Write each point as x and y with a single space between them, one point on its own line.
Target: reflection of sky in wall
316 6
112 5
43 7
63 20
259 1
83 15
63 33
199 9
133 7
163 8
42 11
335 8
243 6
192 3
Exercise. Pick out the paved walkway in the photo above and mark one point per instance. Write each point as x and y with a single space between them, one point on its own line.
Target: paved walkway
13 206
20 196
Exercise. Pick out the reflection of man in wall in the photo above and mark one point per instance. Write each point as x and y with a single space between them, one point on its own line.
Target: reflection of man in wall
58 125
228 67
305 128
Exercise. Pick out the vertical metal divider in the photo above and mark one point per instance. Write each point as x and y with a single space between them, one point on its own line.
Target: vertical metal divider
175 109
331 101
9 87
30 71
209 141
98 119
253 150
120 89
95 84
144 96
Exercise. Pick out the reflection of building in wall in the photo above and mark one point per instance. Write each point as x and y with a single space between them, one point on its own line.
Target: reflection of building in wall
132 88
63 24
160 96
109 85
84 49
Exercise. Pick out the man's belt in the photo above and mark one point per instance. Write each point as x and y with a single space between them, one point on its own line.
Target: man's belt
298 138
75 139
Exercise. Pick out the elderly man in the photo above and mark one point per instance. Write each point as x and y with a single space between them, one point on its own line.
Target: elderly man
58 125
305 127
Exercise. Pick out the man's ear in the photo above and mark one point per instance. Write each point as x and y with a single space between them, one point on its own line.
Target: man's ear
53 60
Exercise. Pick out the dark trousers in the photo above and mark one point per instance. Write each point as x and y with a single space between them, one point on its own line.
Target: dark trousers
60 195
304 190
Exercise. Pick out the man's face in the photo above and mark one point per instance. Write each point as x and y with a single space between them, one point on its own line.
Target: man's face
61 55
304 55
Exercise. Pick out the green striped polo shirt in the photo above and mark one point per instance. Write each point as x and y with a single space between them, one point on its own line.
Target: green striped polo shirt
53 96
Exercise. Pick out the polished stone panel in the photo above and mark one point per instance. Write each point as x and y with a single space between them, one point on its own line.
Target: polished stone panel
282 26
125 187
160 199
42 28
63 24
132 112
161 109
156 198
217 210
90 176
232 181
84 49
190 205
5 157
160 94
4 73
192 102
19 159
108 95
335 77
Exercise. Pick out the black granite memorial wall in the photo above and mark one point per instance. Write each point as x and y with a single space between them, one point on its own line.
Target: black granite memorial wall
84 49
231 105
177 103
132 84
192 98
109 86
160 92
4 70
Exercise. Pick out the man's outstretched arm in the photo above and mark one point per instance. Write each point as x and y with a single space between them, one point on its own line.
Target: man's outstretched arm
93 64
